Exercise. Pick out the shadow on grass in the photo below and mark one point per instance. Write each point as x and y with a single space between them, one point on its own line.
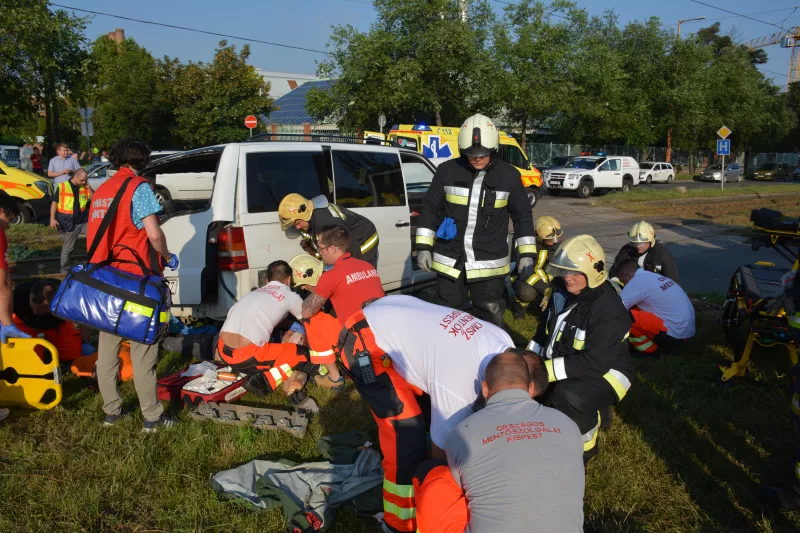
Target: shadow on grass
719 442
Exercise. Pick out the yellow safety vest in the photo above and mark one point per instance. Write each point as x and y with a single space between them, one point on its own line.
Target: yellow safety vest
66 199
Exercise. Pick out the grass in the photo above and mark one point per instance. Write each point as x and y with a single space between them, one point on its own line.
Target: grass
647 195
683 455
30 241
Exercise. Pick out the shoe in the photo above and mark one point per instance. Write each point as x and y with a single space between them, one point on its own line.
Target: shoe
257 384
110 420
4 413
331 384
606 418
164 421
588 455
779 498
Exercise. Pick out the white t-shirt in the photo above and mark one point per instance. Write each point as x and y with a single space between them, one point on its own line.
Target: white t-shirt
664 298
257 313
442 351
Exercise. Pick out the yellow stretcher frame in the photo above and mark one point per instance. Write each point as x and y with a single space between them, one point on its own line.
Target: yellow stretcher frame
25 380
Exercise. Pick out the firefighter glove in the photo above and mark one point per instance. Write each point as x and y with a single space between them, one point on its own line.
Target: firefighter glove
546 299
525 267
425 260
11 332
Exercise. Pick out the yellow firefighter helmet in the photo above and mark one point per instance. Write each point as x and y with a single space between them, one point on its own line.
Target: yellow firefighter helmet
581 254
293 207
548 228
306 270
642 232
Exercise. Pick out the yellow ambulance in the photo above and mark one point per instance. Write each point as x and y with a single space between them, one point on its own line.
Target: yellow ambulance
439 143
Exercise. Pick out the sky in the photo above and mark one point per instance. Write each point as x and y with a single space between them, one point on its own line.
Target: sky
307 24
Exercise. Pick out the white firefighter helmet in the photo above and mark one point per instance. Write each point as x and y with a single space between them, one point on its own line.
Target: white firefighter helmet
642 232
583 254
478 136
306 270
293 207
548 228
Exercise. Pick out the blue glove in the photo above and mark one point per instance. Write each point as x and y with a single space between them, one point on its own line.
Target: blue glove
297 328
173 262
11 332
87 349
447 230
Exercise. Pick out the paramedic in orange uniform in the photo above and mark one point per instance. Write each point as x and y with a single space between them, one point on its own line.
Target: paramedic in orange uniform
349 284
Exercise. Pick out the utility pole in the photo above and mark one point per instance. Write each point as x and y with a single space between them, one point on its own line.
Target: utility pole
668 157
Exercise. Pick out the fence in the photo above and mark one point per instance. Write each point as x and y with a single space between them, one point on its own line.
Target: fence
541 152
757 160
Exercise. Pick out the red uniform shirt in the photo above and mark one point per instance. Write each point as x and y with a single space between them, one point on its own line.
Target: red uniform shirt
349 284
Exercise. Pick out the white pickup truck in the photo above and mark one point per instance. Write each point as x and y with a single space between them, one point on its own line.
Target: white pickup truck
226 242
587 173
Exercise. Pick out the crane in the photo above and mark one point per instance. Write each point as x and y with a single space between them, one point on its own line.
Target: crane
786 39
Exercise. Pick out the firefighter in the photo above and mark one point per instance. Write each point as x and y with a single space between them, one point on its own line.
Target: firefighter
585 345
462 230
538 285
308 217
244 340
644 250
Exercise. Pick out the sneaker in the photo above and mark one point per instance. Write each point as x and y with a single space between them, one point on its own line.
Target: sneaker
164 421
4 413
331 384
110 420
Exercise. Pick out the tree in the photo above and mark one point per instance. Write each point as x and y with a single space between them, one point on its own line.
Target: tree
210 101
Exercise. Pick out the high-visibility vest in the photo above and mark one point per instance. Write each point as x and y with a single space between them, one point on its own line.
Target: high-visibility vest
65 208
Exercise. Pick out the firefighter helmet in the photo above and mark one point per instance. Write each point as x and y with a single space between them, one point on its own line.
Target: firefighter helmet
306 270
548 228
642 232
293 207
580 254
478 136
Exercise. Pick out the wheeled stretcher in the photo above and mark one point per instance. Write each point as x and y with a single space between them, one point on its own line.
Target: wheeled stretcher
753 286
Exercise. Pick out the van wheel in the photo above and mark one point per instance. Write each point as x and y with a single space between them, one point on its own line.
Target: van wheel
25 215
669 178
585 189
627 185
533 195
163 197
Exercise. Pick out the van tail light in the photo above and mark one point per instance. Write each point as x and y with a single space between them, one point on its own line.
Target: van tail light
231 250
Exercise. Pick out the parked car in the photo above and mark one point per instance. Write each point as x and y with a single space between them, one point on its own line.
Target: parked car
32 192
733 172
649 172
98 173
796 173
230 238
773 171
10 155
585 174
557 161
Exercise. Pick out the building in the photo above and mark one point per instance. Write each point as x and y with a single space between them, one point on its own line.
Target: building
282 83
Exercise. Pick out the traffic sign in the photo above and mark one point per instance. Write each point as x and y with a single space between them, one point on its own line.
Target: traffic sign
724 132
382 121
723 147
250 121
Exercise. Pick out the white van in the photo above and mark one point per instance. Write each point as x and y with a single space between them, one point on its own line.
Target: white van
227 240
587 173
10 155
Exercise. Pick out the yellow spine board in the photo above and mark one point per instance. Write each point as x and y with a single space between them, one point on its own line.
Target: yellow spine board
27 381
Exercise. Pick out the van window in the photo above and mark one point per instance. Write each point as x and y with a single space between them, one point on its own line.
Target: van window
513 155
417 173
184 185
613 164
411 143
368 179
273 175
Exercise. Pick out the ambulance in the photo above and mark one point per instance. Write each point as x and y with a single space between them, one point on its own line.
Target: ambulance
439 143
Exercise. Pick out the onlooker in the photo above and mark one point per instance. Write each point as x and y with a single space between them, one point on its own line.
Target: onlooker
136 227
69 212
63 166
103 156
36 161
9 210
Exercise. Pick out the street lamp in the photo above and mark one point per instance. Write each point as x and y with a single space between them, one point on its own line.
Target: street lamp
687 20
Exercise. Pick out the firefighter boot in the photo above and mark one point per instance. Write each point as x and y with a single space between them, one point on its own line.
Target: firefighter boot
606 418
490 311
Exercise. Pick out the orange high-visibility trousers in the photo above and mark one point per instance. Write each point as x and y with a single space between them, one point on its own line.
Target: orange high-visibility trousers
441 503
275 361
322 332
644 329
402 432
66 338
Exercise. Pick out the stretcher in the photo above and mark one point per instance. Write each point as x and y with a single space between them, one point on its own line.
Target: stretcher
753 286
29 374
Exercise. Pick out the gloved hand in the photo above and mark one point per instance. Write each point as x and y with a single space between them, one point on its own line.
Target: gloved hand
425 260
781 301
11 332
87 349
525 268
548 292
173 262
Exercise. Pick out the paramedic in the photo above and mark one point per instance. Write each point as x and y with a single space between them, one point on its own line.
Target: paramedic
244 340
135 226
662 313
397 348
644 250
69 212
494 454
463 226
538 284
310 217
348 284
585 345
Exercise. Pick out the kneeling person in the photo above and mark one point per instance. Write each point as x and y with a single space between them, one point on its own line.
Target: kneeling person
662 313
245 335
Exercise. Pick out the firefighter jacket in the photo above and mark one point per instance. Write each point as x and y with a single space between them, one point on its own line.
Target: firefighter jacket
588 339
72 209
480 203
363 235
656 259
540 279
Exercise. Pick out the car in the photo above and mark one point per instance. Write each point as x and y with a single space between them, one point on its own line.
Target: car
226 242
10 155
652 171
586 174
772 171
733 172
32 192
557 161
796 173
98 173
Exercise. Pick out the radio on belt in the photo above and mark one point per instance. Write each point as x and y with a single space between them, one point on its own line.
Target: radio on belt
366 370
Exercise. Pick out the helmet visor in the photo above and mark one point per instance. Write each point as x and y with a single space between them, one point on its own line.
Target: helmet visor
638 238
562 261
477 151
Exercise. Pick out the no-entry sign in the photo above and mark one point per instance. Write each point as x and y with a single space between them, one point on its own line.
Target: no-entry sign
250 121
